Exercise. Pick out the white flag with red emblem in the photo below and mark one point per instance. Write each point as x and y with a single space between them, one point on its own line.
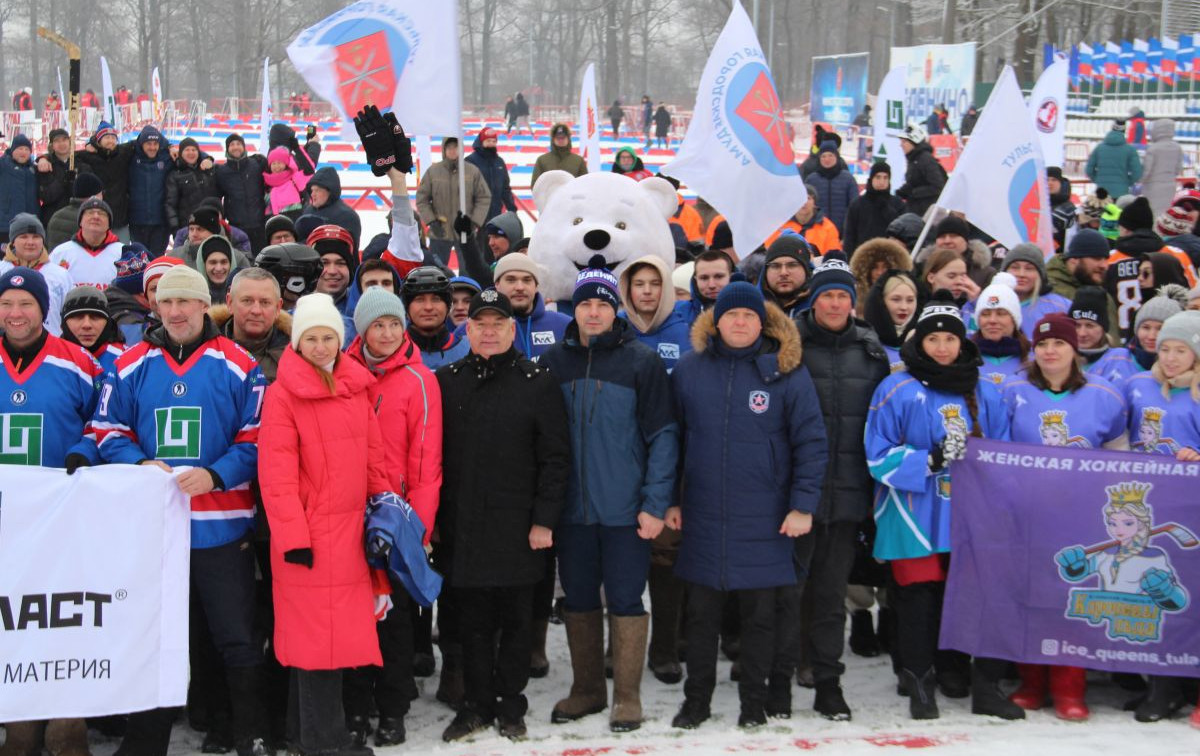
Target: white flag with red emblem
589 128
999 182
737 153
399 55
1048 109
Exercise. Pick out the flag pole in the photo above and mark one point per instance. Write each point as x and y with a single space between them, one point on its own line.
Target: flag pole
933 213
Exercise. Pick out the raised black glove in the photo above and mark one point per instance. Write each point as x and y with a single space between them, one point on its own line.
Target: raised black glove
74 461
376 136
299 556
462 224
402 145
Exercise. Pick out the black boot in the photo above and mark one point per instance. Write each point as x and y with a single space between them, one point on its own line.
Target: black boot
922 693
953 674
830 703
466 723
1163 699
779 696
986 698
219 736
251 727
390 731
753 715
360 729
862 634
691 715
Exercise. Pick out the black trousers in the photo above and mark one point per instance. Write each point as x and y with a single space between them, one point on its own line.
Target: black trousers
495 674
316 721
387 685
705 607
449 636
824 558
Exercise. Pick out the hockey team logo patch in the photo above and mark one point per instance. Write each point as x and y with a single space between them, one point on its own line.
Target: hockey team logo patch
668 351
178 432
21 439
543 338
760 402
1047 115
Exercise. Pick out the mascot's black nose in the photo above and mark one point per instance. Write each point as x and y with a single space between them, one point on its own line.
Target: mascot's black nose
596 239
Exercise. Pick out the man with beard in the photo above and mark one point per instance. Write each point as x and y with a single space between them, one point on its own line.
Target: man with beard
1082 264
785 273
240 183
538 329
713 269
103 156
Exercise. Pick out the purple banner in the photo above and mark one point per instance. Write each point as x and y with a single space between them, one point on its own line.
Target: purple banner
1075 557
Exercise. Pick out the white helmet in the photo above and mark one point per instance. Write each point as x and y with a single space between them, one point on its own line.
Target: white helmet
28 90
915 133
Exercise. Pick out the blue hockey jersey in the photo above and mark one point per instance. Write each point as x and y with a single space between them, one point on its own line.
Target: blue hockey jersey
1158 424
907 420
46 411
1116 366
1086 418
203 413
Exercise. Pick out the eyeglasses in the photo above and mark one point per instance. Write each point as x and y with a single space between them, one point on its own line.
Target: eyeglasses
777 267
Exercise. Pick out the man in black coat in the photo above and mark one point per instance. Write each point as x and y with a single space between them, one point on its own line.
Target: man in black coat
924 176
103 156
505 466
240 184
870 213
846 362
54 175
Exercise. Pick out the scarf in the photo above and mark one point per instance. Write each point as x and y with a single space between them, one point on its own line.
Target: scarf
959 377
1091 355
1005 347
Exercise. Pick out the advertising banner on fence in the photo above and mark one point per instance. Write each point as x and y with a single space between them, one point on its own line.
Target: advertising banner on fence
839 87
93 591
1077 557
938 74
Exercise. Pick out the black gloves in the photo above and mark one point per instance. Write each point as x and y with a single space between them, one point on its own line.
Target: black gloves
299 556
376 133
462 224
402 144
74 461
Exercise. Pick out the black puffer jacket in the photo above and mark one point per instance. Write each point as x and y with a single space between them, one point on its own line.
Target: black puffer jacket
923 179
845 368
112 166
492 494
240 183
868 217
54 188
187 187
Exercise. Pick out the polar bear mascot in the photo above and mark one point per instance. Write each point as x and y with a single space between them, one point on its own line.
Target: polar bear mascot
598 214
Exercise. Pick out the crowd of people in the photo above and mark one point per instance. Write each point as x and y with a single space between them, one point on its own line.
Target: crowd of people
747 435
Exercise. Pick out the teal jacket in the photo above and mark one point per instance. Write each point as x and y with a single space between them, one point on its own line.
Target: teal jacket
1114 164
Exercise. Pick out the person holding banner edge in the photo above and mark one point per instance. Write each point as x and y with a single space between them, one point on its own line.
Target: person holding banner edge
1054 403
917 427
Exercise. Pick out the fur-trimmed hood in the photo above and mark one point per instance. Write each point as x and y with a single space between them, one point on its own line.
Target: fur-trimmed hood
666 303
778 329
868 255
221 315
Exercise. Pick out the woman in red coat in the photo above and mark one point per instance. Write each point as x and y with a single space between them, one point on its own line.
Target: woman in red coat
408 401
320 456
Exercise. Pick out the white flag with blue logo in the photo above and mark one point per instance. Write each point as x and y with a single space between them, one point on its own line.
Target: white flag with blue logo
737 153
399 55
999 182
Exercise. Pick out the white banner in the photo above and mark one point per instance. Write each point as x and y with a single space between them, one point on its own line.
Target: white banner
1000 179
938 75
109 106
890 119
266 114
589 128
399 55
1048 109
737 153
93 591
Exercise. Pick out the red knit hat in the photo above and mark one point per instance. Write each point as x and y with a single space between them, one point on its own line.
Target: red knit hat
487 132
1174 221
1056 325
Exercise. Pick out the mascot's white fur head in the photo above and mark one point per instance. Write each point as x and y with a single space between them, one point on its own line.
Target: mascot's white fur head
598 214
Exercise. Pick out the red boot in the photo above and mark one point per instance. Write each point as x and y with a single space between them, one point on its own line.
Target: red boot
1195 718
1032 693
1067 688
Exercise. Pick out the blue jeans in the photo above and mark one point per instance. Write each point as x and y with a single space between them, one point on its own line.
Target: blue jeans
591 556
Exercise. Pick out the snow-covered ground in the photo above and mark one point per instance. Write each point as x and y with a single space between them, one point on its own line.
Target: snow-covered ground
880 724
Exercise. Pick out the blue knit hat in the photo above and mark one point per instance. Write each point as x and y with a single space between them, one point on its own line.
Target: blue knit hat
596 281
740 293
130 266
829 275
28 279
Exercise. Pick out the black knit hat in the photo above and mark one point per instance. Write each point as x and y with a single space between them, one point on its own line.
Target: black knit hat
952 224
790 245
207 219
83 299
94 204
1087 243
940 314
722 236
1137 215
234 137
880 166
1090 303
86 185
1054 172
277 223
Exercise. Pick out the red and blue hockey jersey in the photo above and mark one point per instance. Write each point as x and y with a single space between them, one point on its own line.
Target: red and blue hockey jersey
203 413
46 411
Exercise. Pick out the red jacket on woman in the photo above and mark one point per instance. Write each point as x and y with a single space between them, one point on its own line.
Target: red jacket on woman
408 401
320 456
